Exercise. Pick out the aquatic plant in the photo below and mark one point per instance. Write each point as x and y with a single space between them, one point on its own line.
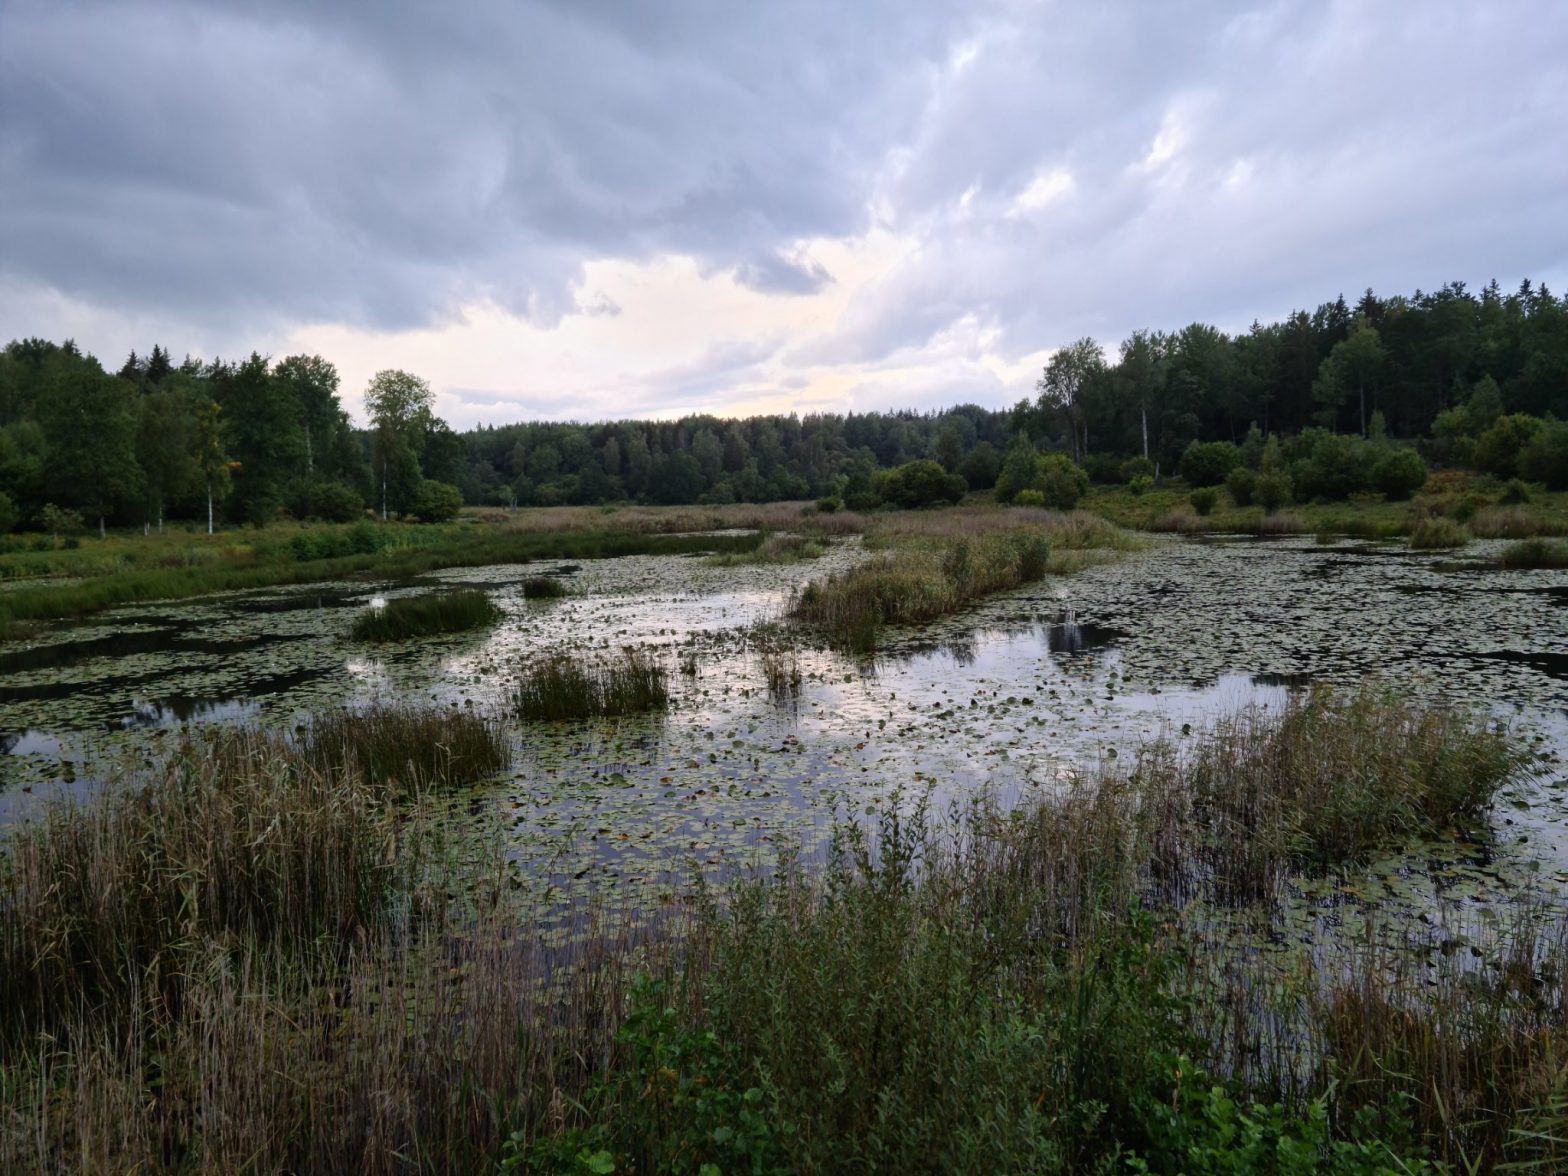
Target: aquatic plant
780 664
775 548
424 616
564 687
1437 533
406 749
544 588
1534 553
1515 522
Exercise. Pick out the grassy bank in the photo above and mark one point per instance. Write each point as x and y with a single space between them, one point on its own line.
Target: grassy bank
931 564
400 551
1464 499
275 984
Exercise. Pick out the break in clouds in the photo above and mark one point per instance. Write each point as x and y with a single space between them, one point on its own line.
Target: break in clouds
604 209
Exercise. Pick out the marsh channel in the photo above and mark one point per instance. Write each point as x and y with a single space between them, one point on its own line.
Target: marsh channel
1007 699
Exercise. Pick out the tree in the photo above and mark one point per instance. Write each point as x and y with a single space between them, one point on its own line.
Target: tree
1064 389
90 421
313 383
209 453
263 434
1350 367
397 402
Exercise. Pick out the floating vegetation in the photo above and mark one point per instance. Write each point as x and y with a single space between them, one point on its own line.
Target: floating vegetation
1438 533
425 616
544 588
1534 553
565 687
406 749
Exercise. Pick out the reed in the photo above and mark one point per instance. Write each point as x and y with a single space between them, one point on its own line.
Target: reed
403 750
544 588
425 616
561 687
1534 553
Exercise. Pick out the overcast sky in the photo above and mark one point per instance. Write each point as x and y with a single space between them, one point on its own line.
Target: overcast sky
601 208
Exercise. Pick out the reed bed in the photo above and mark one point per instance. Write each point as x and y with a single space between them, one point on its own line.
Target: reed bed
544 588
425 616
1438 533
1515 522
1534 553
775 548
562 687
403 750
780 663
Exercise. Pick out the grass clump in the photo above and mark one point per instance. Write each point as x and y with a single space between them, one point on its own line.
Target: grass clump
1534 553
775 548
544 588
918 583
780 662
406 749
1438 533
563 687
424 616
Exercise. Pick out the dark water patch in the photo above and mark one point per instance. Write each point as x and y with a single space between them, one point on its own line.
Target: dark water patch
132 643
1553 665
168 712
1289 681
299 602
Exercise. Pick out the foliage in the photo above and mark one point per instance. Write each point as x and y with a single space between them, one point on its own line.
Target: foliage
1242 484
1498 449
1141 485
829 504
1208 463
1203 499
1060 481
331 502
1272 491
918 484
1534 553
1335 467
1544 458
544 588
437 502
1029 497
1399 473
9 515
1437 533
1136 467
425 616
404 750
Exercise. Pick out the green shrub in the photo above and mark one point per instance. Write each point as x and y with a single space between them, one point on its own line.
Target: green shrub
1061 481
1207 463
1018 469
1437 533
1515 493
1544 458
331 502
437 502
1336 467
980 466
829 504
1468 506
423 616
1029 498
1242 484
1103 468
1399 473
1272 490
1140 485
1497 451
1203 499
918 484
1136 467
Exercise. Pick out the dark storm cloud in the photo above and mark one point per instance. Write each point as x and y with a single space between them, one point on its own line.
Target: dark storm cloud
1055 169
373 163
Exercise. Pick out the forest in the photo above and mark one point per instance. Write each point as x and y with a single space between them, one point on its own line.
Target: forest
1456 377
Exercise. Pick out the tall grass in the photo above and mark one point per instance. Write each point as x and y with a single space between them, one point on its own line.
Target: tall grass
1436 533
561 687
404 750
774 549
1514 522
425 616
543 588
780 663
1534 553
918 583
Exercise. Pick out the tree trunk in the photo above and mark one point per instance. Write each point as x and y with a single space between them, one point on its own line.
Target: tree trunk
1361 388
1143 412
309 464
102 534
209 509
383 490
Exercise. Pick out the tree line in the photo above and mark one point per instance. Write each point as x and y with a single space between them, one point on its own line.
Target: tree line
1468 378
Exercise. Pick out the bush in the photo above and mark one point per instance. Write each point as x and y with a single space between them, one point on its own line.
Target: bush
1103 468
1018 470
1515 493
543 588
1544 458
1136 467
981 466
918 484
331 502
828 505
1207 463
1029 498
1399 473
1061 481
1272 490
1140 485
1242 484
1498 450
1203 499
1336 466
437 502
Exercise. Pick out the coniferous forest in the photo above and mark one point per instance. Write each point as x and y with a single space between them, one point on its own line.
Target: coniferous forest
1477 379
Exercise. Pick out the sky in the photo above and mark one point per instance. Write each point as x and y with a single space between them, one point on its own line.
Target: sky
597 209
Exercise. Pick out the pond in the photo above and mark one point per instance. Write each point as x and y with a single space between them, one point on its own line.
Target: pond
1006 699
